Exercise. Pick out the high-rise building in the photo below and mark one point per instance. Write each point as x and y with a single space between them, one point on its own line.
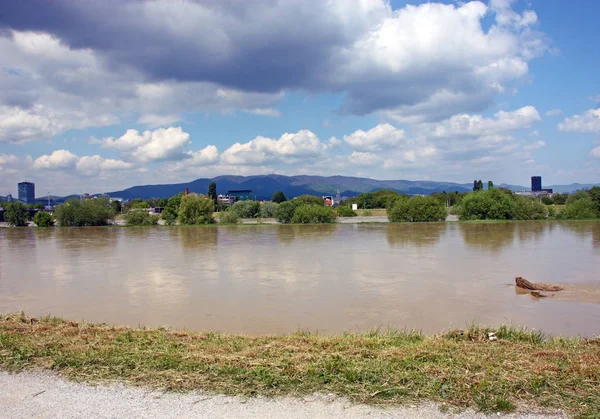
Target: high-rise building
27 192
536 183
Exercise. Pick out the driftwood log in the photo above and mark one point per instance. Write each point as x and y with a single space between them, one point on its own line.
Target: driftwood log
523 283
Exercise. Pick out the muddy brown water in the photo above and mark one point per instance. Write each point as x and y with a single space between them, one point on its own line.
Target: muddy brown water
330 279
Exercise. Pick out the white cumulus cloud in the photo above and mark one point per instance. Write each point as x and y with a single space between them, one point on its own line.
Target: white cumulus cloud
381 137
595 152
160 144
588 122
535 146
59 159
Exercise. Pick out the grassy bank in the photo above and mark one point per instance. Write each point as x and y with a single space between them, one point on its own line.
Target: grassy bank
459 368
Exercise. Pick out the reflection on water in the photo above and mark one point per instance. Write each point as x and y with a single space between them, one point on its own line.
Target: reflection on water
414 234
330 278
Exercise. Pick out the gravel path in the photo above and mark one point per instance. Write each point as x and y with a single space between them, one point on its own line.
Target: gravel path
44 395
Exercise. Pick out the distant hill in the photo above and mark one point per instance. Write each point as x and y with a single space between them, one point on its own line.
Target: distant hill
264 186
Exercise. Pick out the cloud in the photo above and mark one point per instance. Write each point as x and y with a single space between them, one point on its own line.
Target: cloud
534 133
595 98
588 122
595 152
264 112
381 137
535 146
64 160
154 120
8 159
288 148
73 59
554 112
364 159
160 144
59 159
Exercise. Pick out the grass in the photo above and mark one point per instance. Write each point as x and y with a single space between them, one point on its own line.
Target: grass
379 212
458 368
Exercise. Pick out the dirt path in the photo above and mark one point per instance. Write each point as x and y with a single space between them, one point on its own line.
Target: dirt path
33 394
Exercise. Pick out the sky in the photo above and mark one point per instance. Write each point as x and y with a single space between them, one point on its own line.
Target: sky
98 96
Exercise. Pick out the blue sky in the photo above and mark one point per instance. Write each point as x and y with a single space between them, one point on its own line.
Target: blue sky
103 95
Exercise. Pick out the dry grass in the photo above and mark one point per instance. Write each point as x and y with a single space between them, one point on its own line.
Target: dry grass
372 212
459 368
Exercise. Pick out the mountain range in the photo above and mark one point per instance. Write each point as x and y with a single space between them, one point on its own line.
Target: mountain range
264 186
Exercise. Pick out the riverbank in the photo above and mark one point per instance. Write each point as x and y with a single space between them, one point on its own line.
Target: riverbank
518 371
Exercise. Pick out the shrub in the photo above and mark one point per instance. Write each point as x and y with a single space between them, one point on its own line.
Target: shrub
580 209
345 211
43 219
141 218
314 214
417 209
245 209
310 200
268 209
171 210
285 211
76 213
572 198
16 214
228 217
529 209
492 204
196 209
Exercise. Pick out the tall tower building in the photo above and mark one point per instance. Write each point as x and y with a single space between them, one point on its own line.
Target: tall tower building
536 183
27 192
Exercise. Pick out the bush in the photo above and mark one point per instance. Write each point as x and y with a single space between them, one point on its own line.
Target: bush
171 210
345 211
268 209
314 214
492 204
310 200
228 217
92 212
196 209
141 218
285 211
417 209
580 209
572 198
43 219
278 197
529 209
245 209
16 214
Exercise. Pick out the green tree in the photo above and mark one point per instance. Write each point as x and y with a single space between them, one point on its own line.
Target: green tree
345 211
212 192
529 209
196 209
246 209
171 209
37 205
487 205
577 196
16 214
580 209
43 219
141 205
90 212
490 184
310 200
285 211
228 217
595 196
268 209
314 214
116 206
279 197
141 218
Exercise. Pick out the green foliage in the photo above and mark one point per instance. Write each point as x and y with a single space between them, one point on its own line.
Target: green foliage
246 209
279 197
383 198
417 209
367 213
16 214
560 198
529 209
487 205
141 218
116 206
595 196
477 185
577 196
268 209
91 212
345 211
490 184
212 191
546 200
171 210
196 209
285 211
580 209
140 205
310 200
43 219
37 205
228 217
314 214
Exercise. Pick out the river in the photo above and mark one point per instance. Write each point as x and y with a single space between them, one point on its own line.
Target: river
260 279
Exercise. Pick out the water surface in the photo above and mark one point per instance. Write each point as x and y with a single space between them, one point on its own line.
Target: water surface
331 278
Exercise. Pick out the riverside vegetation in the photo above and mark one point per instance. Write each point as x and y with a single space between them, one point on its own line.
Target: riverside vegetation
463 368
